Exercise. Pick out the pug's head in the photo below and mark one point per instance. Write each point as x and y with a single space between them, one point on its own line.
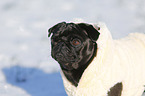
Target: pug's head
73 45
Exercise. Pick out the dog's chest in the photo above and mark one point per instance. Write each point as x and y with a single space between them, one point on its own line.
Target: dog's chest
91 83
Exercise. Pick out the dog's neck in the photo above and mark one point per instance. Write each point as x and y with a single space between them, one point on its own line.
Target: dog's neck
75 75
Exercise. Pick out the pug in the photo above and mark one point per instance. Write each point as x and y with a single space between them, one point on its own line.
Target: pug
93 64
73 47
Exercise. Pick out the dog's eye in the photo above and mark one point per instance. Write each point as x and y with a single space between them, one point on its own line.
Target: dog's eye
76 42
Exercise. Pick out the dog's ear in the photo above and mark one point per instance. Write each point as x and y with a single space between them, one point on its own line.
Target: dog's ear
56 27
91 31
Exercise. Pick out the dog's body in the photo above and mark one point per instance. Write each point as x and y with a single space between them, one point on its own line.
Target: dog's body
116 69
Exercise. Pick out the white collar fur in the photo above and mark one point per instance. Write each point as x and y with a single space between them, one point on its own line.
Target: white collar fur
107 68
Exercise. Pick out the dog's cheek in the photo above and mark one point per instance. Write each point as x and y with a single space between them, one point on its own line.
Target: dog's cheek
52 53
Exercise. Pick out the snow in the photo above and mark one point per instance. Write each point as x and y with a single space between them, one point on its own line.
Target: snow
26 66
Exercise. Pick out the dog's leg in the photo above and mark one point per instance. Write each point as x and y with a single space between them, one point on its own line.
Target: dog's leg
116 90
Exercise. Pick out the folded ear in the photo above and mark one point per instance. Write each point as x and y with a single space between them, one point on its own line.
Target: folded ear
56 27
91 31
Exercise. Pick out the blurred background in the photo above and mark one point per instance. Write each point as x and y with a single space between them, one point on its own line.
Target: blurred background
26 66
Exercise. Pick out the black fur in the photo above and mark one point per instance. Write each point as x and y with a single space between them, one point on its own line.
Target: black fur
92 33
74 47
116 90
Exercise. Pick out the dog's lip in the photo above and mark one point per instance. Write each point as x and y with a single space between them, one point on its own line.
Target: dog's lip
64 56
67 66
60 57
66 59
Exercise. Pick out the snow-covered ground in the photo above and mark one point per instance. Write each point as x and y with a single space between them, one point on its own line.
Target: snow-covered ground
26 67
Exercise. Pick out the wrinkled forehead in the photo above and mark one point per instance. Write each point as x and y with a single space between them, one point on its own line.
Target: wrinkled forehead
70 30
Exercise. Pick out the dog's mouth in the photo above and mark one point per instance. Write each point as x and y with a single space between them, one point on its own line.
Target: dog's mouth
66 61
65 57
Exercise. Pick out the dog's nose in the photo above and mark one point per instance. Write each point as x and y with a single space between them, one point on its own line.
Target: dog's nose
58 47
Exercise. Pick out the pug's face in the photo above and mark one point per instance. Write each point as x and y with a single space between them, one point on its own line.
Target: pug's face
73 45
